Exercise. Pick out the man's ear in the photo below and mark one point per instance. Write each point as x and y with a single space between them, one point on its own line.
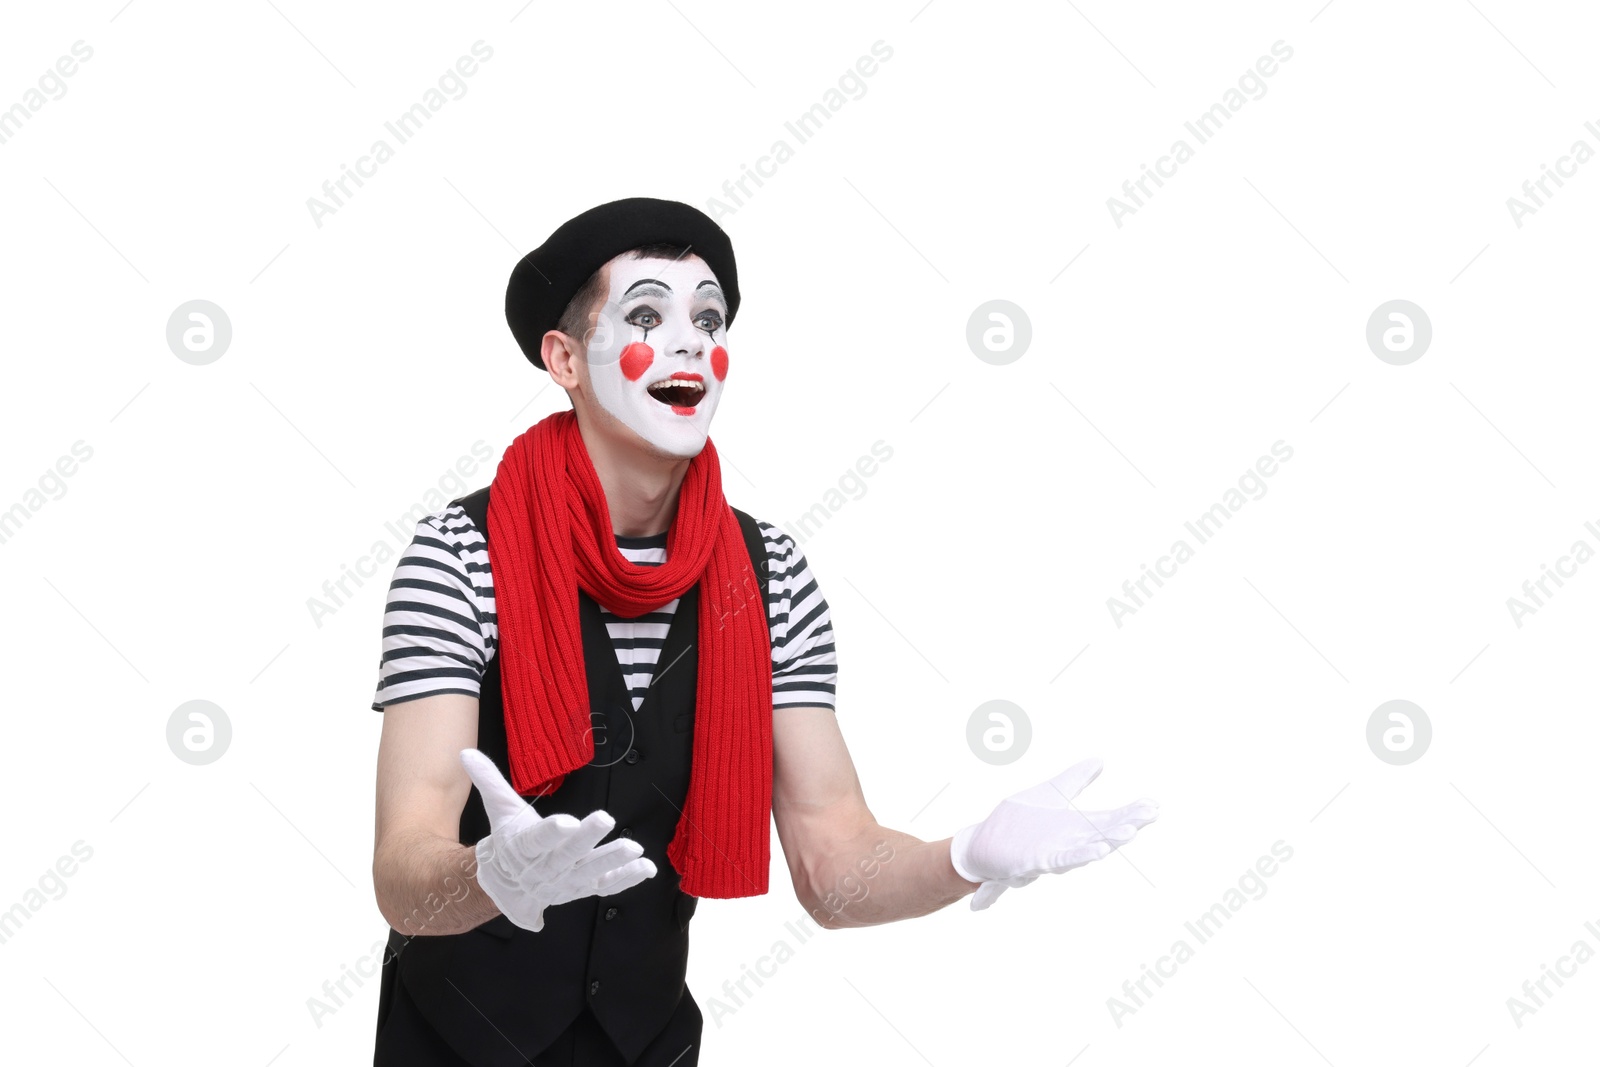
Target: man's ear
560 354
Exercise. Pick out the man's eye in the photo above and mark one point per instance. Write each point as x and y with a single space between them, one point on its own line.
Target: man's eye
645 313
711 320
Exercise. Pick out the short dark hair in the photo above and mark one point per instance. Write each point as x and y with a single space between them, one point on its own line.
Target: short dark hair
574 321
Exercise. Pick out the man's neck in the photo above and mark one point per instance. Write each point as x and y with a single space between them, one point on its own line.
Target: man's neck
641 489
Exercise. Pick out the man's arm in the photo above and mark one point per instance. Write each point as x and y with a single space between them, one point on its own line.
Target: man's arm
847 869
425 879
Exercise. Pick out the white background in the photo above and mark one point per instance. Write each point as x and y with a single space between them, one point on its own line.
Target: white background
1228 313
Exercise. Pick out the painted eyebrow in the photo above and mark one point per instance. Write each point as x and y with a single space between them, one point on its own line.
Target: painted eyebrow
652 283
715 291
646 282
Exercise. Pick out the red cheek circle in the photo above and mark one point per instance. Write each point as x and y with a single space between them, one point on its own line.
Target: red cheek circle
719 362
636 359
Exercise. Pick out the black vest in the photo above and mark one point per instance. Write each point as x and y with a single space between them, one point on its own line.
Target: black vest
498 989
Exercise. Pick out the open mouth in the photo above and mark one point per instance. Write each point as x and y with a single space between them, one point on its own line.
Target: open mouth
683 391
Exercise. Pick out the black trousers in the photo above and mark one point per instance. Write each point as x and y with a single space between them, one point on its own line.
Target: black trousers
406 1040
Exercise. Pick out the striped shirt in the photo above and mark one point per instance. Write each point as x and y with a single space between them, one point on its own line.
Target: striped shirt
440 632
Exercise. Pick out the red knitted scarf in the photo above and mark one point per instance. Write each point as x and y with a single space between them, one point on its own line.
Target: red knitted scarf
549 536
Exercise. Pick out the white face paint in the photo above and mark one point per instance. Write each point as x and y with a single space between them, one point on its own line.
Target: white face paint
662 319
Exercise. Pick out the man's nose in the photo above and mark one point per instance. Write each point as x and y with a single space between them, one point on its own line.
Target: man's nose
687 342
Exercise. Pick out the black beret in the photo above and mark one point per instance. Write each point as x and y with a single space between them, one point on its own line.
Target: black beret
545 280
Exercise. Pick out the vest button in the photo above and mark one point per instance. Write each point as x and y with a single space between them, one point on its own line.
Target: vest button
632 756
626 831
611 913
594 987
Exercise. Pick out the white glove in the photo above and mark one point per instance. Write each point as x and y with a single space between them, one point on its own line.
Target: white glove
529 862
1039 831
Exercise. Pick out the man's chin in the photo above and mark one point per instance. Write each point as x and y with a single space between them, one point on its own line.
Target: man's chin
687 447
679 440
683 442
683 436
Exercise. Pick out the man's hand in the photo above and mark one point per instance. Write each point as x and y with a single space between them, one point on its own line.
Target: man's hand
1040 831
529 862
